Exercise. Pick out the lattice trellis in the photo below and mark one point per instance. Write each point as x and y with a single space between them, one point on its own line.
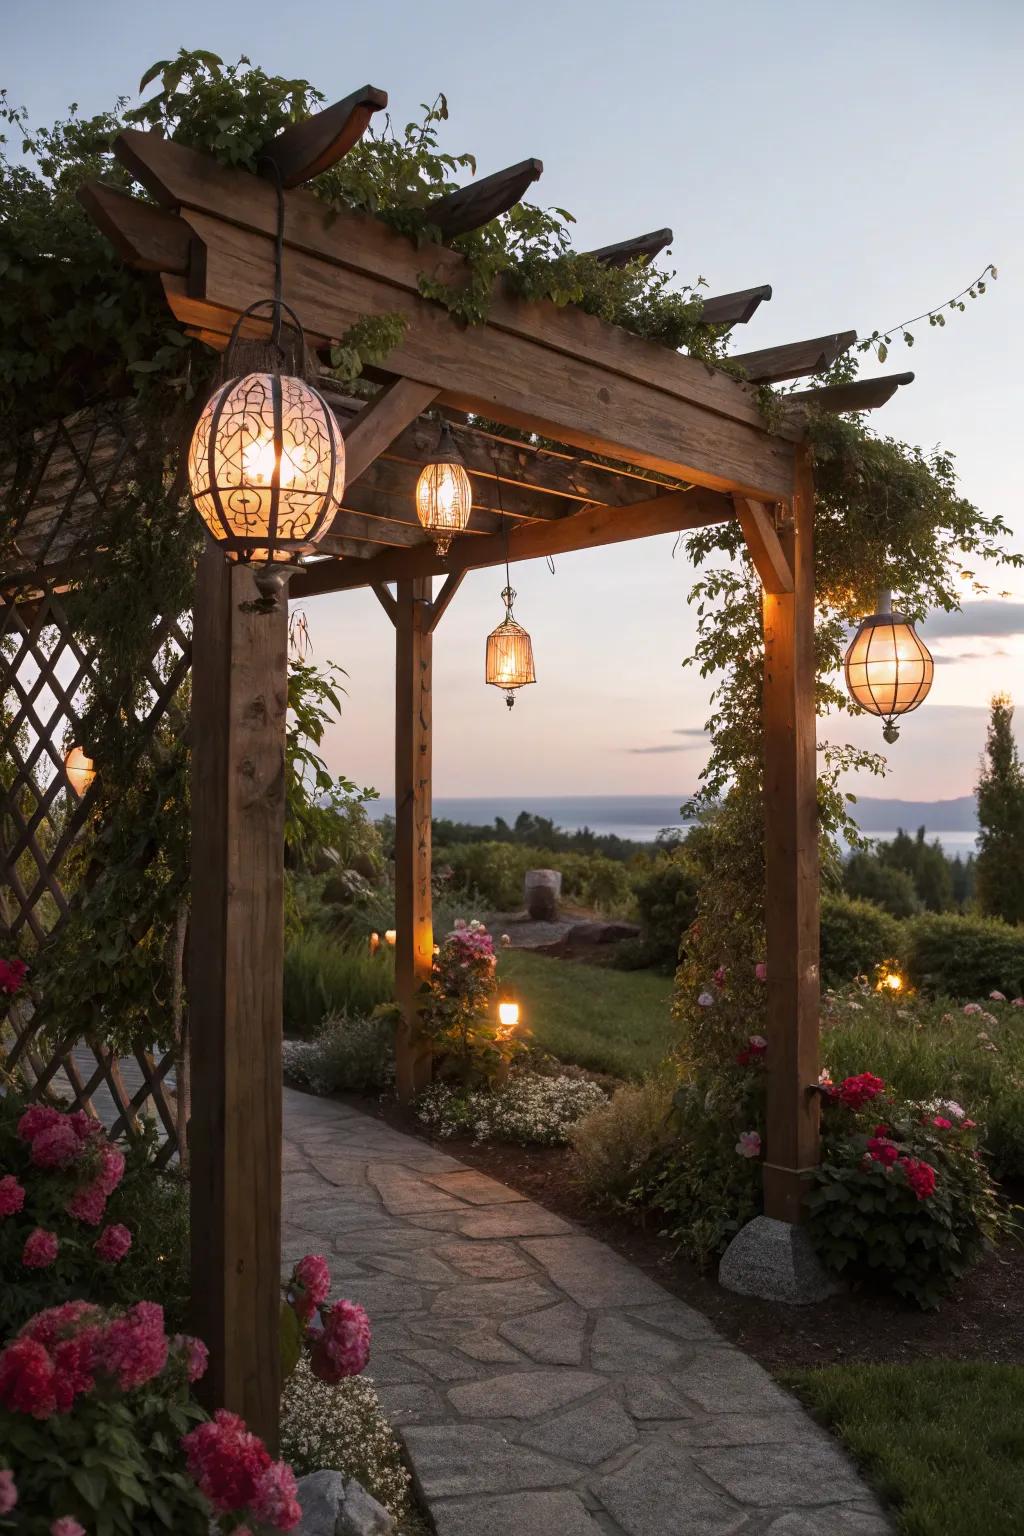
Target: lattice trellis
53 489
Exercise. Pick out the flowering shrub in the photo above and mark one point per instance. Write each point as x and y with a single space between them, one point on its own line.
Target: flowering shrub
529 1108
457 1011
342 1427
902 1197
335 1338
348 1054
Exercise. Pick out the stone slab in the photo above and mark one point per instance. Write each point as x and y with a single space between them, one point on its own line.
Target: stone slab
552 1336
520 1514
477 1188
658 1493
485 1261
588 1434
522 1394
591 1273
492 1298
721 1380
522 1220
411 1403
453 1459
782 1475
618 1344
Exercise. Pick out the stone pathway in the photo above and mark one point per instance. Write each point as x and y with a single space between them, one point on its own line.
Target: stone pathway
543 1386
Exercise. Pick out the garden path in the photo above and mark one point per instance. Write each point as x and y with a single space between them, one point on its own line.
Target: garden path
544 1386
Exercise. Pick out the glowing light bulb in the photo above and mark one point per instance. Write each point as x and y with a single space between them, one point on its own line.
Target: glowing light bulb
508 1014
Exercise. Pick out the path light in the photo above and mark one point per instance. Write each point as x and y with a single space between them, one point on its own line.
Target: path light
80 770
509 661
508 1014
889 981
390 938
888 669
444 496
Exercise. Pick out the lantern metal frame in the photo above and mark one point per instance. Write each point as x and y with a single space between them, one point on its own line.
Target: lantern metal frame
444 456
508 632
886 617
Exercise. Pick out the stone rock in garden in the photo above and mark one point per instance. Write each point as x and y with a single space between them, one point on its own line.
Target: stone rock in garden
321 1495
361 1515
542 889
775 1261
589 935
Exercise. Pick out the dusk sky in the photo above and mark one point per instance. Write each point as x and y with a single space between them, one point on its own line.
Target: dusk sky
864 161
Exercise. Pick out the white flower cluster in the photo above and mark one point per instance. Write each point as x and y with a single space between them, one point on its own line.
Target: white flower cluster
529 1108
342 1428
300 1058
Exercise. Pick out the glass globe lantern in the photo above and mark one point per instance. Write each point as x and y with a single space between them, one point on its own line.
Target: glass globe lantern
889 669
444 496
266 464
80 770
509 660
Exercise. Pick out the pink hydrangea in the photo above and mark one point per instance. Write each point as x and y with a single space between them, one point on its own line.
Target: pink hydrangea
57 1146
972 1008
67 1525
87 1204
343 1348
12 1195
8 1491
38 1117
749 1144
134 1347
113 1243
310 1284
27 1382
194 1353
275 1501
111 1168
997 997
40 1250
225 1461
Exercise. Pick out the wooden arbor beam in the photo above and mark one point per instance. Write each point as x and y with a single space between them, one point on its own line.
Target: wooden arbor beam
791 868
640 246
859 395
772 365
473 206
318 142
239 700
735 308
414 932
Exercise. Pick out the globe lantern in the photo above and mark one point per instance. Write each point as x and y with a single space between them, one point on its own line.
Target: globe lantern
888 668
444 496
509 660
80 771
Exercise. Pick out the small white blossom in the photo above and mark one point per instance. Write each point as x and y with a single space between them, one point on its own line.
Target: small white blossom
529 1108
342 1428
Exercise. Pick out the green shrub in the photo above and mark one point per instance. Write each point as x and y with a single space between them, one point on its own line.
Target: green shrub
325 976
349 1055
617 1140
867 878
666 897
856 937
492 874
965 957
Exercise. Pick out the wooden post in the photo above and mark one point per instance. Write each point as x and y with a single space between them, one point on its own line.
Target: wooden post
239 697
791 857
414 943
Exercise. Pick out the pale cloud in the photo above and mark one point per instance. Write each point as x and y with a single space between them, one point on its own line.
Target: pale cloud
991 616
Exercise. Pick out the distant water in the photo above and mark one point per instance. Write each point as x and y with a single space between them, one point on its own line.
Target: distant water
639 818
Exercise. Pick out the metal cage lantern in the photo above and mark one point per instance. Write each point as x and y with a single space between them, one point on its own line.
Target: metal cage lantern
444 496
889 669
509 662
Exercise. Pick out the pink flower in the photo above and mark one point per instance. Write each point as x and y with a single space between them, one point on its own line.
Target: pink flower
970 1008
12 1195
749 1144
27 1379
111 1168
195 1353
55 1323
760 971
56 1146
758 1044
967 1124
997 997
8 1492
40 1250
920 1176
883 1151
85 1125
87 1204
857 1091
343 1348
134 1347
310 1285
225 1461
942 1123
274 1499
12 976
1018 1002
113 1243
719 976
67 1525
38 1117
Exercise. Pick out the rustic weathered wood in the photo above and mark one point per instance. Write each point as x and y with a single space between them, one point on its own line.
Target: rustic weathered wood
640 246
859 395
237 935
477 203
380 422
794 359
303 150
414 934
144 236
734 308
386 600
592 527
764 547
791 869
439 606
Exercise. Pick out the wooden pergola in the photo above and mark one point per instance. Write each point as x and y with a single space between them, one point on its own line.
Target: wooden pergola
613 439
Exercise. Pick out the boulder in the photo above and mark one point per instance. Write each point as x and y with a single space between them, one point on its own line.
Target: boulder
332 1507
361 1515
542 889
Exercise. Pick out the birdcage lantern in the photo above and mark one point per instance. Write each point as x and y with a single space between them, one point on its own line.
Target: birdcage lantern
889 669
444 495
509 662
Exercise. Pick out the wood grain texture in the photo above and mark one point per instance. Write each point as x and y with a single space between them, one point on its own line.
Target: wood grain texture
791 870
144 236
771 365
303 150
639 247
380 421
735 308
477 203
859 395
237 935
763 545
414 942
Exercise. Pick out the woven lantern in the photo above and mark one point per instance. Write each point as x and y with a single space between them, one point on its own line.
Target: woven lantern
444 496
889 670
509 663
80 771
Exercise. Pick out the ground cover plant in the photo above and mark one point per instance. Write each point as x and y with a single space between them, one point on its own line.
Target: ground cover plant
331 976
943 1440
531 1107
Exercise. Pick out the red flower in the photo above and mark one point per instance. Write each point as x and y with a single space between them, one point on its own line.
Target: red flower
40 1250
942 1123
113 1243
12 1195
226 1461
12 976
920 1176
27 1379
134 1347
857 1091
275 1500
883 1151
343 1348
311 1284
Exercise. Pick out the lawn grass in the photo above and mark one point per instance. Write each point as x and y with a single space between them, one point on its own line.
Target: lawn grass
942 1440
608 1021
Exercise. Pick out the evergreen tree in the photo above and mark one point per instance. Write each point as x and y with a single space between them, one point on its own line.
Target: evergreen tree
1000 864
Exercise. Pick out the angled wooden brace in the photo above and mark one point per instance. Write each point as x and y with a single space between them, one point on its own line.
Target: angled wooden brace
765 549
379 423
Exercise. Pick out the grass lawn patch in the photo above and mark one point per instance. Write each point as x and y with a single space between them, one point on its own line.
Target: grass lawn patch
605 1020
943 1440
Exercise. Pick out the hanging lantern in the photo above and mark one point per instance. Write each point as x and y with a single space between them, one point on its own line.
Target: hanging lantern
80 771
509 662
888 669
444 496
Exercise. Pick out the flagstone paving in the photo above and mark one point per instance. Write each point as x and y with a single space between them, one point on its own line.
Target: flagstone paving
542 1385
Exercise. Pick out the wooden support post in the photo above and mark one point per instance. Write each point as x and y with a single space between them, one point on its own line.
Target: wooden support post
239 692
791 856
414 943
